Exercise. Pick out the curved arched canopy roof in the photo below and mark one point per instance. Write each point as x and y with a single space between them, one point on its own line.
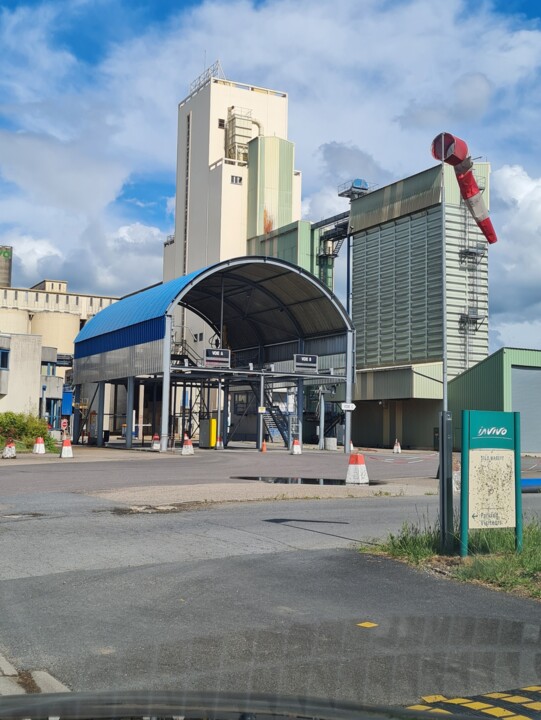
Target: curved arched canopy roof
265 301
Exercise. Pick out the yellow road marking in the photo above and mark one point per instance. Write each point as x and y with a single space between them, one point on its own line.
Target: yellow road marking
418 707
433 698
458 701
432 710
518 699
476 705
521 717
498 712
442 712
533 705
367 624
496 695
533 688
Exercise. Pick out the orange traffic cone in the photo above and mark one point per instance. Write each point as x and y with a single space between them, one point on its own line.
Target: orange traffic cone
264 446
9 452
357 473
66 450
39 447
296 447
219 443
187 447
397 448
155 442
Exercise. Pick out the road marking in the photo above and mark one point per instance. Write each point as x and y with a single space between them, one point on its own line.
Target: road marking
10 686
502 705
47 683
14 682
367 624
6 668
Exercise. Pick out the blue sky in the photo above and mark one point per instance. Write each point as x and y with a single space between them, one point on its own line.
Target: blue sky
88 96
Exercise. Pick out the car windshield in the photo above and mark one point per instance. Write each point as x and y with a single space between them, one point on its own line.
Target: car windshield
270 362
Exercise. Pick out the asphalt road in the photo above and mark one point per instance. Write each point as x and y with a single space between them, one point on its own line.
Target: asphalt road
258 597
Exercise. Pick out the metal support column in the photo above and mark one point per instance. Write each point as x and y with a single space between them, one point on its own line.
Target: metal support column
219 440
140 413
300 407
321 444
101 410
225 413
129 412
446 483
350 369
260 423
76 432
164 433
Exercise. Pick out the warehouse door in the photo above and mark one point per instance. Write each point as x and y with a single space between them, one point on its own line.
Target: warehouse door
526 399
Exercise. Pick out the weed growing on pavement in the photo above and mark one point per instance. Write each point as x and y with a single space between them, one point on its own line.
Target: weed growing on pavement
492 558
495 562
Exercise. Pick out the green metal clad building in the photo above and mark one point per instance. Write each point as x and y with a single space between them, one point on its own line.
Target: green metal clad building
508 380
299 243
399 306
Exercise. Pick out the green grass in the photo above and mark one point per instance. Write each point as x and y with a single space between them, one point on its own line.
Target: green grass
492 558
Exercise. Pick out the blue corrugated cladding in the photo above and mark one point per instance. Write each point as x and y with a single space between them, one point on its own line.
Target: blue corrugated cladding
139 334
135 309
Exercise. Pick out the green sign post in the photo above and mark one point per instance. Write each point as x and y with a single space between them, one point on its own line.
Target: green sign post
491 492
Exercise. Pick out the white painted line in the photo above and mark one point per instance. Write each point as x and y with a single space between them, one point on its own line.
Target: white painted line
9 686
47 683
6 668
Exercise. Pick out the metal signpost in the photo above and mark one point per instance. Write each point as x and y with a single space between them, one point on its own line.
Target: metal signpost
491 492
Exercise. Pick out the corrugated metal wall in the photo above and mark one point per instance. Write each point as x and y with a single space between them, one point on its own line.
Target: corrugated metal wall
480 388
526 383
397 299
116 364
393 201
489 386
397 277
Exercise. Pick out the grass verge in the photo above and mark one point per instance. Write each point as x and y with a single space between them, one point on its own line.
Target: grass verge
492 558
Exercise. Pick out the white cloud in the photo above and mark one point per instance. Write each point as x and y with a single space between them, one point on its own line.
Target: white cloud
515 259
170 205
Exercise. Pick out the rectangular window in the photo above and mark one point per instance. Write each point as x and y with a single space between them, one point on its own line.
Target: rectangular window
57 299
77 300
16 295
67 299
221 123
236 180
91 302
47 297
37 297
4 359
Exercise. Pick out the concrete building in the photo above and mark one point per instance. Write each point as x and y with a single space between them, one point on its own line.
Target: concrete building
49 310
235 180
28 380
405 291
235 172
38 326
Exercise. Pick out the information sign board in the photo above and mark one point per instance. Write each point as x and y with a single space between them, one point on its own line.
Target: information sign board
218 358
306 363
490 473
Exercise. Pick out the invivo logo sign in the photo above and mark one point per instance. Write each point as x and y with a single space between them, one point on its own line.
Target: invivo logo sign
491 431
